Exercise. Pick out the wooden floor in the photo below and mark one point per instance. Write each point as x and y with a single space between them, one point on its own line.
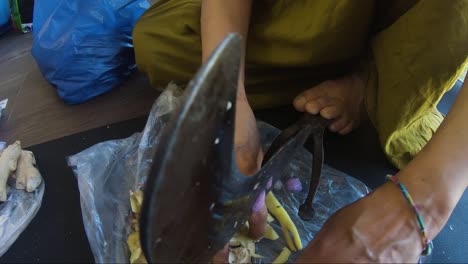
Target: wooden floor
35 113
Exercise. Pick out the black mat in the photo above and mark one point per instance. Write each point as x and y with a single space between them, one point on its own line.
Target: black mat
57 235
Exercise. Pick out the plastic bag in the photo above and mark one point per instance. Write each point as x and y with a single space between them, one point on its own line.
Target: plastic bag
17 212
84 47
107 171
5 24
335 191
3 105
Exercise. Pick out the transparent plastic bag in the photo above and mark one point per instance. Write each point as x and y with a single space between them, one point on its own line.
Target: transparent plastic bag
107 172
3 105
335 191
17 211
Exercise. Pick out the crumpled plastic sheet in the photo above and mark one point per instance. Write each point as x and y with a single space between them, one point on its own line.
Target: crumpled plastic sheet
107 171
335 190
17 212
84 48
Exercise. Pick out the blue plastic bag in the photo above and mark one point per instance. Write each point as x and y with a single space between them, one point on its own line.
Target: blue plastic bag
4 16
84 47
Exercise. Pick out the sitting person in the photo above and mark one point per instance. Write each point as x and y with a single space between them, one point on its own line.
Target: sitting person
387 61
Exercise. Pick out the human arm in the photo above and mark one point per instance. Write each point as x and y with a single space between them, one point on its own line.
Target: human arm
218 18
382 227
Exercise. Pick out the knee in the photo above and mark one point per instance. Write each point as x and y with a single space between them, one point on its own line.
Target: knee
149 56
140 44
166 49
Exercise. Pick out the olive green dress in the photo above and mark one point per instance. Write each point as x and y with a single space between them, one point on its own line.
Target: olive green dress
409 51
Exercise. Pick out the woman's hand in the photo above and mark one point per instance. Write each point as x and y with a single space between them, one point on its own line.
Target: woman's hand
380 227
218 19
249 156
247 146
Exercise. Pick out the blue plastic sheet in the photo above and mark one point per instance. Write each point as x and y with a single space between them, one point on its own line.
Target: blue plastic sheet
84 47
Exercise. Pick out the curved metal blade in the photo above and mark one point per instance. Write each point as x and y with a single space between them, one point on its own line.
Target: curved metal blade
194 155
244 191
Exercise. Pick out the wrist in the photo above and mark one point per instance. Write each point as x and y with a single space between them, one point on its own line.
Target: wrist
434 199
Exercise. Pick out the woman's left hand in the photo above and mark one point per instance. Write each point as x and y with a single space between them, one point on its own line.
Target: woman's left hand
380 227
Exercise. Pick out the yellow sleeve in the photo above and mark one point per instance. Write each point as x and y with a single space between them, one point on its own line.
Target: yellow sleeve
415 61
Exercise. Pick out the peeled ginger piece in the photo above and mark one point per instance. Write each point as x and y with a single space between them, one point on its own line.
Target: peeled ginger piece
287 225
270 218
270 233
283 256
134 246
133 240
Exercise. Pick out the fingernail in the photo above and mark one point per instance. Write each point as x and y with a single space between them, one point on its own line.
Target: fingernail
259 203
310 108
325 114
300 100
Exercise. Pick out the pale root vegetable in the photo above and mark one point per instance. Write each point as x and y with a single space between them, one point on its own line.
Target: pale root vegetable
133 240
239 255
287 225
139 196
27 175
134 204
270 233
134 246
283 256
270 218
8 164
242 247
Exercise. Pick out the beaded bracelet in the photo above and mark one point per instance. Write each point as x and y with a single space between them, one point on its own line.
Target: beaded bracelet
427 249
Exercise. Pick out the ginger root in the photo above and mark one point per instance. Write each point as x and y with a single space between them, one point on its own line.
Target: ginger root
8 164
136 254
270 233
133 240
283 256
27 175
241 248
21 165
239 255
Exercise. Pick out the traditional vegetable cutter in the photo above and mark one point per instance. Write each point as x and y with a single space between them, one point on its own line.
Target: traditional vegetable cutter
195 197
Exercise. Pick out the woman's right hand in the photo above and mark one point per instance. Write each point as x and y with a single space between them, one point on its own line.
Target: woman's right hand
219 18
249 155
247 147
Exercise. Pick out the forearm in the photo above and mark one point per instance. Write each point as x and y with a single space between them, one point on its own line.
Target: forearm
220 17
448 149
438 176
